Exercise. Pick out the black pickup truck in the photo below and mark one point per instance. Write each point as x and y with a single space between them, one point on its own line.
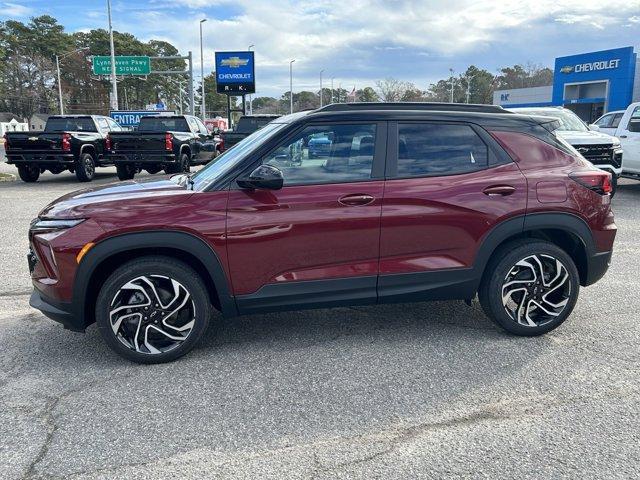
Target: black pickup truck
69 142
169 142
247 124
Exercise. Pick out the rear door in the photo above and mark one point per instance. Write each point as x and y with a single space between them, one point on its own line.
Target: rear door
447 187
315 241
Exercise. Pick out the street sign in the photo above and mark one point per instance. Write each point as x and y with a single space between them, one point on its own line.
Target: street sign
124 65
126 118
235 73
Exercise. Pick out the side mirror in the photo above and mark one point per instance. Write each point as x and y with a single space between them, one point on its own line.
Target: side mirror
593 127
265 177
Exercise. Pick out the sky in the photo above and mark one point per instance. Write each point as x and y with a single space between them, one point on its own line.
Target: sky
358 42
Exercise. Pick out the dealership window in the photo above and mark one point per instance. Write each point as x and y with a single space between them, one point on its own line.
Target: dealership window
326 154
439 149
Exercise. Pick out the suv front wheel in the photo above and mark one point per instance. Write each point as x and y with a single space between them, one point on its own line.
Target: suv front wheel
530 287
153 309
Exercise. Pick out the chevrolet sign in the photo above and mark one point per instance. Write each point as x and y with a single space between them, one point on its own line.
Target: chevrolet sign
235 74
592 66
234 62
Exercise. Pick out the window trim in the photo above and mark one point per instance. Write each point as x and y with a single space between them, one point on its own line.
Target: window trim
495 156
377 167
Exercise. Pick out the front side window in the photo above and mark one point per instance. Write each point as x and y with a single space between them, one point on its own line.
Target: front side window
604 121
426 149
616 120
326 154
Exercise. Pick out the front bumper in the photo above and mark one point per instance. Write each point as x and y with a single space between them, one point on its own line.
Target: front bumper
57 311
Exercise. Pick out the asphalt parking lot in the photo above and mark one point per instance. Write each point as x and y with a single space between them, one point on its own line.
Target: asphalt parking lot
427 390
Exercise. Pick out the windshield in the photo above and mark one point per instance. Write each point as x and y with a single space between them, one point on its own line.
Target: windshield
225 162
71 124
569 121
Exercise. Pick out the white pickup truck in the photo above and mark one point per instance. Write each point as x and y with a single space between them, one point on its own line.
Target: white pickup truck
625 124
601 149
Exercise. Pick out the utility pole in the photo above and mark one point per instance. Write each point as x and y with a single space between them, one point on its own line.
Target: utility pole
202 108
192 106
451 70
250 99
114 83
291 86
321 88
332 89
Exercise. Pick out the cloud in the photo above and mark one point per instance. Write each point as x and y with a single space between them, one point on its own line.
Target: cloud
15 10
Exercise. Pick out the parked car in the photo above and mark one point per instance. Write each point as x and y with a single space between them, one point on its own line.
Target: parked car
245 127
625 125
601 149
69 142
415 202
170 142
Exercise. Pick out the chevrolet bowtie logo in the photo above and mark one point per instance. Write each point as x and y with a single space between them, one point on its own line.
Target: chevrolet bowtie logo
567 69
234 62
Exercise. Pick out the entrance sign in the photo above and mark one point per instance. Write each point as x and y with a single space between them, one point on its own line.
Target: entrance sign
127 118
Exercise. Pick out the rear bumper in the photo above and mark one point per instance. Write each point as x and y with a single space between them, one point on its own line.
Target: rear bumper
597 266
57 311
40 157
142 158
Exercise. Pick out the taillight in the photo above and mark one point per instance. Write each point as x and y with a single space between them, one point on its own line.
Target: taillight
598 181
107 142
168 141
66 142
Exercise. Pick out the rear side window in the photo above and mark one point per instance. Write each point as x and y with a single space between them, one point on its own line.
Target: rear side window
161 124
605 121
426 149
70 125
616 120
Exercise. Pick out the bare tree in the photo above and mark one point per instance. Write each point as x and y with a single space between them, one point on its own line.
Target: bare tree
392 90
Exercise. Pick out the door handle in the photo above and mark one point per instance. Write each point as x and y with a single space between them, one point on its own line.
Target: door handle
623 136
499 190
356 199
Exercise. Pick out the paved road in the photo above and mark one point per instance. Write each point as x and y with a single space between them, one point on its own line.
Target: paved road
407 391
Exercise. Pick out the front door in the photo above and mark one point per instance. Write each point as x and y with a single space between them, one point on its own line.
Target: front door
316 241
446 189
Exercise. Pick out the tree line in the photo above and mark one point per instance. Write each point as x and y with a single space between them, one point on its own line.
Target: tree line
28 82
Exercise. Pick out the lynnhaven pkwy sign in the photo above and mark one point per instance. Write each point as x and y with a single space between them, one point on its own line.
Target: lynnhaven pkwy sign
124 65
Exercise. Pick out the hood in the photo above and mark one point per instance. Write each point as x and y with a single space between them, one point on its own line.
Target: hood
90 201
586 138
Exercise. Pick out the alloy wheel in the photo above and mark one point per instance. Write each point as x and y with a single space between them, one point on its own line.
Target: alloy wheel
152 314
536 290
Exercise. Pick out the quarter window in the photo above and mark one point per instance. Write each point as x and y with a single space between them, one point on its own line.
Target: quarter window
439 149
326 154
616 120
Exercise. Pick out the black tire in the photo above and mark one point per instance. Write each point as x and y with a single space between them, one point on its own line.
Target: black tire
181 166
29 173
499 276
156 269
85 168
126 172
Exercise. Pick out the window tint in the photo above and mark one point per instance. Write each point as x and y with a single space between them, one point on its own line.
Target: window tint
605 121
70 124
326 154
163 124
438 149
616 120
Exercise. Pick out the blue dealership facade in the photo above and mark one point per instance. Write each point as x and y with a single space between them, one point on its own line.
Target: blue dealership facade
590 84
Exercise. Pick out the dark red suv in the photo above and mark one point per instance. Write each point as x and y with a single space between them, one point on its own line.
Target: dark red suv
403 202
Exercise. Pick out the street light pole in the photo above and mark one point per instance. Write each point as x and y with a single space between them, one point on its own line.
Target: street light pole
202 108
451 70
114 83
332 89
291 86
250 97
59 86
321 87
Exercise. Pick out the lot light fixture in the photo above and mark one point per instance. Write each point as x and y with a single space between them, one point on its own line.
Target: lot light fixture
291 86
202 109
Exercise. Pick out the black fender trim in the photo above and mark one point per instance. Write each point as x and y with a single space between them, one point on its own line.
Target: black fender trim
178 240
563 221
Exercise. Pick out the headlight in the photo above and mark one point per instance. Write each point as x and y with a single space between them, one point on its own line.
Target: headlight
42 225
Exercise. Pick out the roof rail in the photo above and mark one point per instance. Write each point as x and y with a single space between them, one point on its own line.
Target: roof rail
436 106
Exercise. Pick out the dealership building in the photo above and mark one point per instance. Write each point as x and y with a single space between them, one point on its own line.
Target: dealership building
590 84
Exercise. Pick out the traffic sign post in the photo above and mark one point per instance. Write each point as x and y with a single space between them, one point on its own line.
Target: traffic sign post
124 65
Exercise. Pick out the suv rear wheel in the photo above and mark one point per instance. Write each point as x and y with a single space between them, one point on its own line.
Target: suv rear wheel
530 287
85 168
153 309
29 173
